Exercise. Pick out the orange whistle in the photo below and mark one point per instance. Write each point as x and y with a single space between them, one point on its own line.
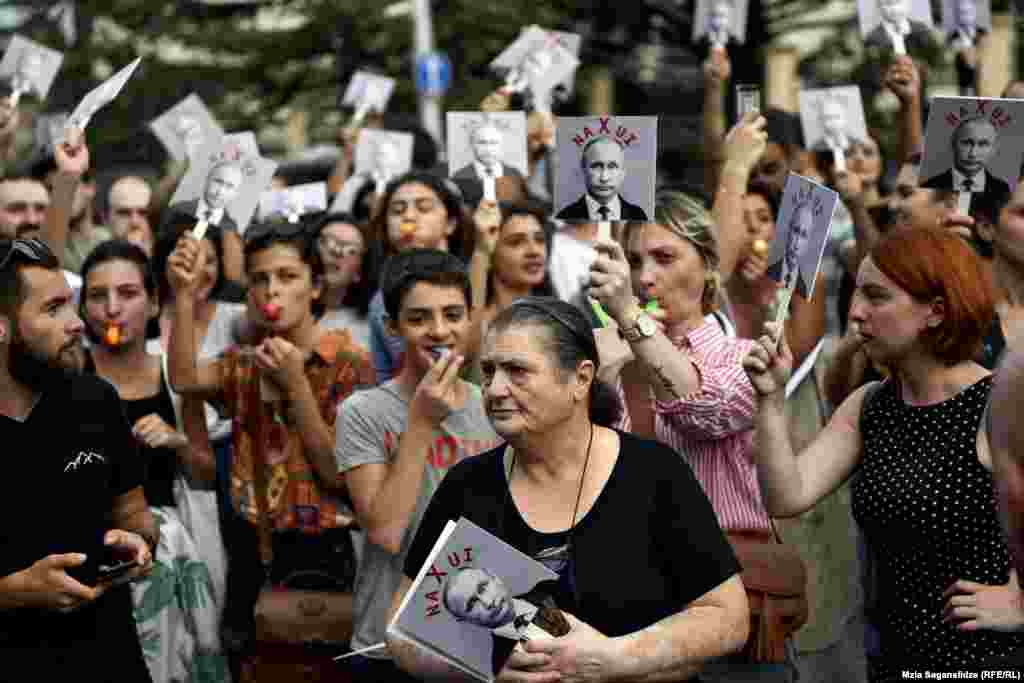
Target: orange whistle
112 336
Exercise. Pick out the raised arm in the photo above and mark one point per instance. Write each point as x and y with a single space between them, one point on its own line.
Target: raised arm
904 80
717 70
672 372
343 168
866 233
743 147
184 373
487 220
234 257
792 484
72 158
10 119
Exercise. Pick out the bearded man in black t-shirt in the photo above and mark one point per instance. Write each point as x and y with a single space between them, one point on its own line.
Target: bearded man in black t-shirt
74 499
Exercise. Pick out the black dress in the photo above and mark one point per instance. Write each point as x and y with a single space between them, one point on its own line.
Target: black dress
161 464
928 513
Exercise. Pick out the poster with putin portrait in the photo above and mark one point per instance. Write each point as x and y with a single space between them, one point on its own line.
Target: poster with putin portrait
801 233
607 168
973 147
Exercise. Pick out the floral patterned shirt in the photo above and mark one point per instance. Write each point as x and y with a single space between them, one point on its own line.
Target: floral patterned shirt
268 452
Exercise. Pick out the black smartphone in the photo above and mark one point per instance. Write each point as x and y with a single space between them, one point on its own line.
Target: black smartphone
110 573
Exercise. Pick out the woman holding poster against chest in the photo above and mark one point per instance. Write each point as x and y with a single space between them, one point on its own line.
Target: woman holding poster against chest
566 488
945 598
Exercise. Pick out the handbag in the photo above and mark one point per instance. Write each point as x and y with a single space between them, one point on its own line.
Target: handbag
775 579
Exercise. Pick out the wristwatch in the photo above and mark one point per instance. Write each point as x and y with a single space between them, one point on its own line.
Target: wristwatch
643 326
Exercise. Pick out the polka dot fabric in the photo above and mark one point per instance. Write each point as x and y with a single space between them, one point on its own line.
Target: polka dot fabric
928 512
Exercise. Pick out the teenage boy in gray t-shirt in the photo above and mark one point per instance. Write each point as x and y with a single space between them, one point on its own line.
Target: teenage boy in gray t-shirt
395 442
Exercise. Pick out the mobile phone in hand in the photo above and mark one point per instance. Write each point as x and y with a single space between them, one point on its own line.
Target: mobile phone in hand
115 574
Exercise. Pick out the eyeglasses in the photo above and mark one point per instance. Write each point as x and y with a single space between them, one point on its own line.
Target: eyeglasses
423 204
32 249
273 229
339 248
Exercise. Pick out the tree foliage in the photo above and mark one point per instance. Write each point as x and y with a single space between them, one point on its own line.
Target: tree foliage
255 65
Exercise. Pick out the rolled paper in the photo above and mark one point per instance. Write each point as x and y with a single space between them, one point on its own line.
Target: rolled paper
490 194
898 46
839 156
200 230
604 230
963 203
360 651
759 247
780 315
113 335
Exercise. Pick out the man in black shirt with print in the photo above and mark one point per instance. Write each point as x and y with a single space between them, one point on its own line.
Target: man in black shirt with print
74 498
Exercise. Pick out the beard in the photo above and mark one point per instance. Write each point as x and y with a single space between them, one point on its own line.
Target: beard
40 373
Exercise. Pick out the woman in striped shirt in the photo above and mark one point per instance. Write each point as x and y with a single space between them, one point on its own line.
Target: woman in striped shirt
701 402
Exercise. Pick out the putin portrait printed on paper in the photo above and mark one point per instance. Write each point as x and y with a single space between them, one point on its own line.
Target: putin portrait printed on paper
604 171
974 142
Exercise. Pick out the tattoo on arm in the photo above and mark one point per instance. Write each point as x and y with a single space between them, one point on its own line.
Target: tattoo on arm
666 383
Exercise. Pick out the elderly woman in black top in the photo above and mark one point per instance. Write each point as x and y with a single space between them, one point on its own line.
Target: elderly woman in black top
647 580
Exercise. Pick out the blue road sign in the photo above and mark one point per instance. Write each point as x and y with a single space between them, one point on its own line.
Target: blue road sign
433 74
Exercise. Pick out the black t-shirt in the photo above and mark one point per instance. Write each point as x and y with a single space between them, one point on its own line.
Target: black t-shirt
650 545
65 465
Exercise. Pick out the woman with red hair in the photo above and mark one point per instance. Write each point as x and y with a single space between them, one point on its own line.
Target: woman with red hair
922 495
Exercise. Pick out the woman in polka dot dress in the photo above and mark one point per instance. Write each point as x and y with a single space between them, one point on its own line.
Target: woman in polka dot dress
922 496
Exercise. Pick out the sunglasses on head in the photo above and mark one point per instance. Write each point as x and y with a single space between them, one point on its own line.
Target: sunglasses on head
33 250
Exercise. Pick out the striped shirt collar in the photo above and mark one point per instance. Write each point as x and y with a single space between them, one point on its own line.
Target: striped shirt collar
700 338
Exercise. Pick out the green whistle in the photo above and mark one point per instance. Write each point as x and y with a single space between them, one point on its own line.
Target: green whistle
603 317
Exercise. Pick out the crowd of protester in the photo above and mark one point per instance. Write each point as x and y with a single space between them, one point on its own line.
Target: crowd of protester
733 492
